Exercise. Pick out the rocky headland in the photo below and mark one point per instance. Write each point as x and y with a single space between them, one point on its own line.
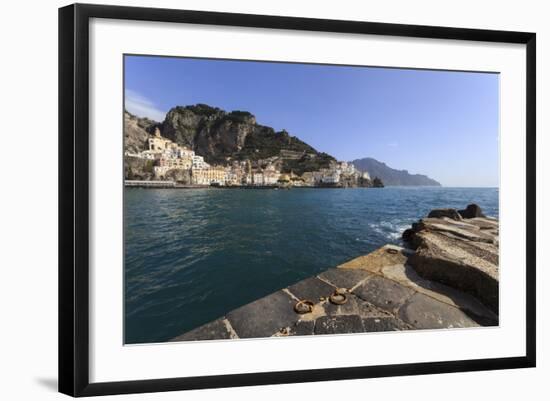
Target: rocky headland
222 137
391 176
445 276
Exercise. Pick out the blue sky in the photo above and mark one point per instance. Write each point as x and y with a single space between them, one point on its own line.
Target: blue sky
439 123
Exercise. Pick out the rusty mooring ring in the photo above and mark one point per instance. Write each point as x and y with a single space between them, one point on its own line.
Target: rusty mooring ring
303 306
338 298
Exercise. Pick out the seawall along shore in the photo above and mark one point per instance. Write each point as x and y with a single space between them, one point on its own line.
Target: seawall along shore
445 277
173 184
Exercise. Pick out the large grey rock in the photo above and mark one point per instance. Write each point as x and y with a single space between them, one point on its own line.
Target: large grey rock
136 168
471 211
178 175
424 312
222 136
264 317
457 264
136 132
462 230
484 223
408 235
462 254
450 213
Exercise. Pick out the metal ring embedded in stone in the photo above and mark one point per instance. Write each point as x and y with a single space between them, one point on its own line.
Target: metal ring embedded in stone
303 306
338 298
392 251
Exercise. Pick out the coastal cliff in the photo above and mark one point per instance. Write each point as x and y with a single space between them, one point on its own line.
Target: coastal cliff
446 276
222 137
136 132
391 176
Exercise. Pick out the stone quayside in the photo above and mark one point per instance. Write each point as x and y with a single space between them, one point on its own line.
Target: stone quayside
446 277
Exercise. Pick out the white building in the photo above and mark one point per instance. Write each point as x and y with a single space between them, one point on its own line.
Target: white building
347 168
271 177
199 163
184 153
331 177
150 155
258 178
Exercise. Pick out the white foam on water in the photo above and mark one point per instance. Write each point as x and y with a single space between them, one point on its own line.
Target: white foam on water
391 230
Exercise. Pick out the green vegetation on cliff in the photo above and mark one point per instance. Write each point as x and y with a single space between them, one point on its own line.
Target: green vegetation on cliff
222 137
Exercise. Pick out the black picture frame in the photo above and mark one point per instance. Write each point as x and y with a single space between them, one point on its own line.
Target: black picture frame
74 200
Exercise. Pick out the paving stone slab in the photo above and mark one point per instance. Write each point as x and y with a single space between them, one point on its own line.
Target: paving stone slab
264 317
302 328
424 312
345 278
339 324
374 261
311 289
354 306
383 293
407 276
215 330
375 324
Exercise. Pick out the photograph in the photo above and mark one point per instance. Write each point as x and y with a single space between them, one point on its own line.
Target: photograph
275 199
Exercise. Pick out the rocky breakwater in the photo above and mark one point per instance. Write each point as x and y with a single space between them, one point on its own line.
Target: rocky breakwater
445 277
458 248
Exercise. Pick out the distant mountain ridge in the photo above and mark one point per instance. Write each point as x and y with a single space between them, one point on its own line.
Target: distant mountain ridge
392 177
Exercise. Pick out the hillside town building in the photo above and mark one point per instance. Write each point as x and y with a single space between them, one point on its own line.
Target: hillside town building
167 156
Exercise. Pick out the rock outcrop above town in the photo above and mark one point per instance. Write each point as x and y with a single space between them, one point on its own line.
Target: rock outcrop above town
447 277
222 137
392 177
136 132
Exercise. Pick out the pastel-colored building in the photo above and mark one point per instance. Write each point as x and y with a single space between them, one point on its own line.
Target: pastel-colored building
177 163
208 176
157 142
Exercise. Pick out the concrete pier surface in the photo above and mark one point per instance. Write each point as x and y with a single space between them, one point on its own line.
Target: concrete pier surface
445 277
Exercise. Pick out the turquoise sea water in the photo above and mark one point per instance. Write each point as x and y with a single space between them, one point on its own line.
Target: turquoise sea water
191 255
